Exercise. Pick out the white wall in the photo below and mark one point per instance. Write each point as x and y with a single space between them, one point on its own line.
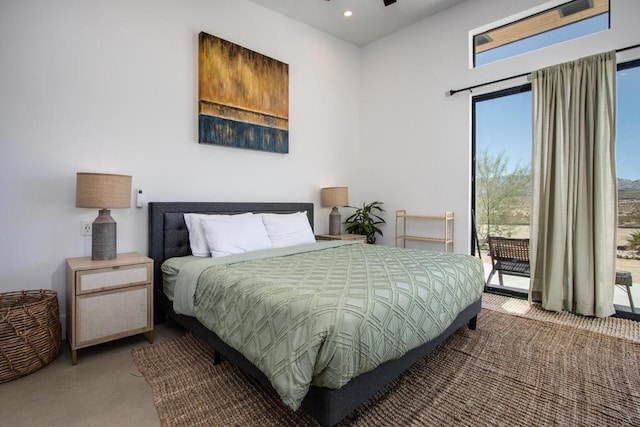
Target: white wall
418 142
111 86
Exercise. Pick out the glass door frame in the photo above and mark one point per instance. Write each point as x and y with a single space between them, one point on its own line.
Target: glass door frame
474 241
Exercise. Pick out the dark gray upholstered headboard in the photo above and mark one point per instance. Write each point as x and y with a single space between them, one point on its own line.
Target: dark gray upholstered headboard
168 235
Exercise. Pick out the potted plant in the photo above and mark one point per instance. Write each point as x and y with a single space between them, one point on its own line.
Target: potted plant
365 221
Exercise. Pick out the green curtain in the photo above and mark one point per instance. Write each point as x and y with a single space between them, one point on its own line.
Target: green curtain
574 191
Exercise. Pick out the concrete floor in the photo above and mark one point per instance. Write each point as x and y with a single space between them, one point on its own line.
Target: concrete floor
103 389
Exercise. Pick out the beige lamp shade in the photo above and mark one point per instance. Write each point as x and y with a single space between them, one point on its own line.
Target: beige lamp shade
103 191
335 196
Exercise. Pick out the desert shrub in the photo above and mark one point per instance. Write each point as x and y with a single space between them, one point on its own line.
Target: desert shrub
634 240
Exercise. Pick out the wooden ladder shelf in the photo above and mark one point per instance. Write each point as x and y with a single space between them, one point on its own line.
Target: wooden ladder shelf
446 239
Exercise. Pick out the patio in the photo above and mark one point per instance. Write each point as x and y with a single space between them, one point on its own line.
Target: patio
521 284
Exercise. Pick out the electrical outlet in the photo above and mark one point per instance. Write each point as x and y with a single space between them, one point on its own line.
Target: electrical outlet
86 228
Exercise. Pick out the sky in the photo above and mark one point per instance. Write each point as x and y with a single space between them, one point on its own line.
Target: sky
628 129
504 125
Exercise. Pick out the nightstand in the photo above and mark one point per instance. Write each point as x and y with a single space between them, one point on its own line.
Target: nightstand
107 300
358 237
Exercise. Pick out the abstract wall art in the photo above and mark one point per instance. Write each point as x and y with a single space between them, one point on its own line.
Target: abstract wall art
243 97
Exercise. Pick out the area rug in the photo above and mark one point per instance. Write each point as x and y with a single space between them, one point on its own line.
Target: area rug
614 326
511 371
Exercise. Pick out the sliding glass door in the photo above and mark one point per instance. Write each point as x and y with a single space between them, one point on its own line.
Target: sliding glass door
501 169
502 136
628 173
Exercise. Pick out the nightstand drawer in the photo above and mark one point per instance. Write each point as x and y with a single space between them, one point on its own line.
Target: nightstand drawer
111 277
128 312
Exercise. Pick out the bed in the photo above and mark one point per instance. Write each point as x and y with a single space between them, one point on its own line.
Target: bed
169 239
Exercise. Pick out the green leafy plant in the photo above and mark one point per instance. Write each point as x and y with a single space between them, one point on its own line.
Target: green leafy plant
365 221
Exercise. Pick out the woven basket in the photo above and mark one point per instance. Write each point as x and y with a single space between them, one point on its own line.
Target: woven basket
29 332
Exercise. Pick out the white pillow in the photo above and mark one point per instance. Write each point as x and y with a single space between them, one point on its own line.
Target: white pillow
197 240
235 234
288 229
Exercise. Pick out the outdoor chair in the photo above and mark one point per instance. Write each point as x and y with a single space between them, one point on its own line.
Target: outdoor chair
625 280
508 256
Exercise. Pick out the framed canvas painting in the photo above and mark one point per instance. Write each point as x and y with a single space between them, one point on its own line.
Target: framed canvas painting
243 97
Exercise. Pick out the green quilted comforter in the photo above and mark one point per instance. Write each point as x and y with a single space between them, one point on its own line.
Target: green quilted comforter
333 311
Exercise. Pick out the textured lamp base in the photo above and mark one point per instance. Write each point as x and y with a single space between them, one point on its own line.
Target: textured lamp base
103 236
335 225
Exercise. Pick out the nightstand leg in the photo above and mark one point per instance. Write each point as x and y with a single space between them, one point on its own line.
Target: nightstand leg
74 357
150 337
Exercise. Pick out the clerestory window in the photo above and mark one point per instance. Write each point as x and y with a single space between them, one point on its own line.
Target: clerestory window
558 24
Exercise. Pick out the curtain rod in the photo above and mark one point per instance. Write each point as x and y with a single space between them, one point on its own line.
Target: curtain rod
454 91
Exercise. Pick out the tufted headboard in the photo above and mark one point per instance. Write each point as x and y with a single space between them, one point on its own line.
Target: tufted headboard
168 235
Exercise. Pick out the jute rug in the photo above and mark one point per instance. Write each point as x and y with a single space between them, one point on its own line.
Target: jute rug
511 371
613 326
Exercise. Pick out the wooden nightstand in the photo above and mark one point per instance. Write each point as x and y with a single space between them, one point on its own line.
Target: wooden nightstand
358 237
107 300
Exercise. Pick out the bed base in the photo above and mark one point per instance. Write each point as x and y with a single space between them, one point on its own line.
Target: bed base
168 237
327 406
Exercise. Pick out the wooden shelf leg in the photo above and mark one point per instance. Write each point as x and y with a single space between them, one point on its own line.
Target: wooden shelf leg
74 357
150 336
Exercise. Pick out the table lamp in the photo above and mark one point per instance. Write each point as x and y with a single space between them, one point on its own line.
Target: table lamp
332 197
103 191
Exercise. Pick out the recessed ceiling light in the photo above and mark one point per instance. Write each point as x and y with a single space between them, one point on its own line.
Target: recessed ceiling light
347 13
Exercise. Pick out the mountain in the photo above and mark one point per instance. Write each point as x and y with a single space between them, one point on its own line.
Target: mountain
623 184
628 184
